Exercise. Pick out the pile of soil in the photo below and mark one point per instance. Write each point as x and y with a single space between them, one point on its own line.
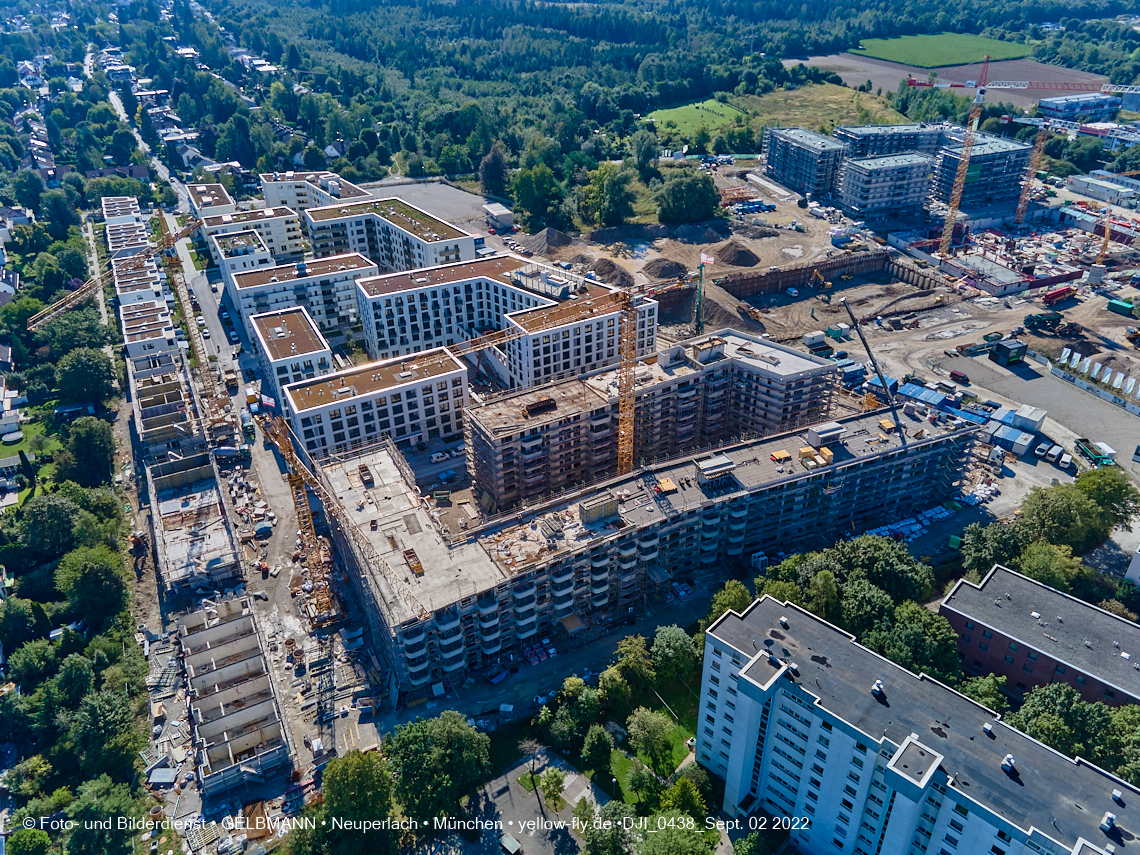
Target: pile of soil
611 274
644 231
696 234
545 240
754 232
580 258
664 268
734 254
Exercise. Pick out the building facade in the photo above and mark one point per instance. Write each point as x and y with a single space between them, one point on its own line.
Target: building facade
163 406
691 395
303 190
1085 107
444 604
209 200
137 284
1035 635
862 757
410 400
278 228
997 167
148 328
394 234
881 187
325 287
240 251
803 160
290 348
880 140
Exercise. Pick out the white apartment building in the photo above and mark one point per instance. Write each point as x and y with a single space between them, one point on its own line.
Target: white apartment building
862 757
240 251
290 349
137 284
147 328
326 287
394 234
120 209
303 190
408 312
410 399
279 229
209 200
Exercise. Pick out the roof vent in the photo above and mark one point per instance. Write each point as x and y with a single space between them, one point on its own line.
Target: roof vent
1117 795
877 689
1116 644
1088 644
794 667
1035 615
1108 822
1008 597
783 622
1007 763
988 728
1060 619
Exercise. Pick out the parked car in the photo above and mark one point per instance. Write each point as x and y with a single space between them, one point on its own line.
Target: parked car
205 333
440 456
234 337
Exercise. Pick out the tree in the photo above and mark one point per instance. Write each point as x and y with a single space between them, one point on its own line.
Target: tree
612 687
1065 515
529 748
785 592
608 198
74 680
550 783
293 57
313 157
823 596
674 653
86 374
633 662
436 762
675 834
537 194
17 621
687 196
1050 565
47 525
27 777
596 751
642 780
32 663
95 583
358 788
918 640
649 731
987 691
732 597
684 797
97 800
92 446
1117 608
983 546
643 146
752 844
59 213
1113 493
28 841
104 733
28 187
863 606
610 835
1056 715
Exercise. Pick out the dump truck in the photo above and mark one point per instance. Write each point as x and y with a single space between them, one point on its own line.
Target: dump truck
1046 320
230 378
1094 454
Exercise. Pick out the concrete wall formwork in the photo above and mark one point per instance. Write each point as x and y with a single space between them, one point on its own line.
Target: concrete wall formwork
745 285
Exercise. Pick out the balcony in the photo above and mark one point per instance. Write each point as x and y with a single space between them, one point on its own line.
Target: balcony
646 541
600 600
627 563
487 607
492 648
490 635
448 667
488 621
563 597
447 621
562 574
524 633
627 549
520 592
411 636
599 574
599 587
451 646
650 554
422 677
600 560
564 610
525 620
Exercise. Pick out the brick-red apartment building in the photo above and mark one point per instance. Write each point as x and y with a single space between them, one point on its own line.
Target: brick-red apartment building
1034 635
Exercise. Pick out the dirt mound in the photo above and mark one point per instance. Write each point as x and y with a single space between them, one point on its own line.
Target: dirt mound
611 274
700 233
646 231
580 258
754 232
545 240
664 268
734 254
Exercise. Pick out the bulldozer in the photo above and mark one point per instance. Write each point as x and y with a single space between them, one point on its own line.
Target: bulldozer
139 542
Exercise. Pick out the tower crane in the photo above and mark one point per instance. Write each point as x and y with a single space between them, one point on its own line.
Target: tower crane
981 85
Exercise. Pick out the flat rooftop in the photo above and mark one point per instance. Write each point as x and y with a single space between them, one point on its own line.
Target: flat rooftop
320 178
395 211
890 161
808 138
752 468
126 235
509 413
310 268
251 217
1062 798
208 195
989 268
120 206
372 378
401 523
497 267
240 243
989 145
1082 98
888 130
1082 636
595 303
289 332
194 534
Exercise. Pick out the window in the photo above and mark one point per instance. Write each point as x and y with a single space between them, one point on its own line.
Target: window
1031 655
969 625
954 824
1028 669
987 633
966 638
1008 659
849 790
1108 693
961 810
824 741
983 646
951 839
1013 645
1081 679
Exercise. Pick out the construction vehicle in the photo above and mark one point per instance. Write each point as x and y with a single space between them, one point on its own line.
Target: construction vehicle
230 378
1043 320
1058 295
88 288
817 280
1094 453
1070 328
1132 334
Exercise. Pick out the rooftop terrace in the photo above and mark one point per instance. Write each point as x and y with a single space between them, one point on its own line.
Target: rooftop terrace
208 195
240 243
251 217
395 211
371 378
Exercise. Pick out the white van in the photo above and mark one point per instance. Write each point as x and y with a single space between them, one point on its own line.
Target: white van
1055 452
792 292
1066 462
440 456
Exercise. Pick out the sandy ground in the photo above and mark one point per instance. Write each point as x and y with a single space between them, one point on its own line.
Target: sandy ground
857 70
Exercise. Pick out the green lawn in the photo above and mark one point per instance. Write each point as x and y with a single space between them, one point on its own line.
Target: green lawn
689 117
821 104
30 429
942 49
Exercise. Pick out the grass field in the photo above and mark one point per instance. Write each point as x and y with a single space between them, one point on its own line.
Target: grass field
689 118
823 104
940 50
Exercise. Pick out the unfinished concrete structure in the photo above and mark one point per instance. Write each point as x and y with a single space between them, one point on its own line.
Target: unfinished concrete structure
440 604
238 731
691 395
163 407
879 140
192 534
803 160
148 328
997 167
885 186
